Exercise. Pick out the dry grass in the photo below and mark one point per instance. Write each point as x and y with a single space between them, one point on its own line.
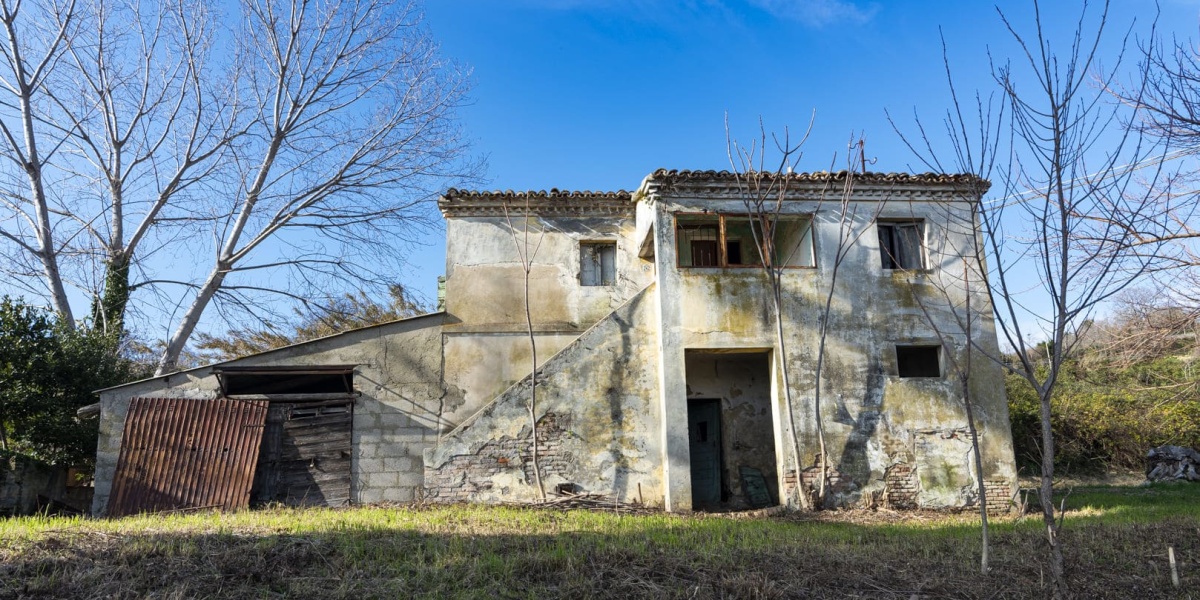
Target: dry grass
1116 545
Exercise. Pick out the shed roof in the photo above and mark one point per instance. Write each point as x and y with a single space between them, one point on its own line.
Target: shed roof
231 363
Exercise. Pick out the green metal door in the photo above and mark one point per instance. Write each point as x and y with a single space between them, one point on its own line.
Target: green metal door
704 444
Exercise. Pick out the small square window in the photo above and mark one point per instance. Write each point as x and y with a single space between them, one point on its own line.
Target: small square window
919 361
901 244
597 263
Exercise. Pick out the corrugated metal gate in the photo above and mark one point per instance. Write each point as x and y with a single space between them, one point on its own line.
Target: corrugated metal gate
185 453
305 458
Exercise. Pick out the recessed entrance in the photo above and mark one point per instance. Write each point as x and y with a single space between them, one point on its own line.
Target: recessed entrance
731 432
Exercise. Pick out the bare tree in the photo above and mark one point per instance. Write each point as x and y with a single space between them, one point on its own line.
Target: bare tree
349 136
763 193
146 122
1167 102
1066 199
35 39
1144 325
297 150
526 253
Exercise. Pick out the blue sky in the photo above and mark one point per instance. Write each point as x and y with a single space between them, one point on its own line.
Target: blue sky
595 94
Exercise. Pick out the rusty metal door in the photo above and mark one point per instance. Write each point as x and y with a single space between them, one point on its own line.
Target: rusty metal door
181 453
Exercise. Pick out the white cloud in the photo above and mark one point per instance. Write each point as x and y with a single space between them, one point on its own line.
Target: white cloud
817 12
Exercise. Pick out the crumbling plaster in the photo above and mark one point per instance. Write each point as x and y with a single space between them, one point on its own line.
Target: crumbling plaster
600 389
873 419
487 344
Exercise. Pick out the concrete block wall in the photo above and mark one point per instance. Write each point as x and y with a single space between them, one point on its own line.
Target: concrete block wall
397 415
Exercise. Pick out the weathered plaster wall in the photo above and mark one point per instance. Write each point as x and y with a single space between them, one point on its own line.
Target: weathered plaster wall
598 423
874 420
485 280
397 416
480 365
487 348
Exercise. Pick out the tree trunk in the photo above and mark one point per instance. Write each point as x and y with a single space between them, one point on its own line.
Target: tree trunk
1047 500
537 467
108 311
785 383
187 325
47 253
965 381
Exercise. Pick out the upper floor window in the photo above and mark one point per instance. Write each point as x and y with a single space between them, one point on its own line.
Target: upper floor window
707 240
597 263
901 244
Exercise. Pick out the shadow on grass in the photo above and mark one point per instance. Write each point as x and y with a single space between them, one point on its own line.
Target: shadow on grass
472 552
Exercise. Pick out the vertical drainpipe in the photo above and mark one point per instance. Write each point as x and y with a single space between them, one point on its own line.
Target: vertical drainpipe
672 380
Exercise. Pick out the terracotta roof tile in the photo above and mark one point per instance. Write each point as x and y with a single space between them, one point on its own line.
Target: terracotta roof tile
546 202
674 175
453 194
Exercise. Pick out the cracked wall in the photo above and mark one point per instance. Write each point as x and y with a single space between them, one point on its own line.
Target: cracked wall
603 437
874 420
487 348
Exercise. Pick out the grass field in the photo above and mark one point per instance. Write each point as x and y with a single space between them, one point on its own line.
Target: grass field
1116 541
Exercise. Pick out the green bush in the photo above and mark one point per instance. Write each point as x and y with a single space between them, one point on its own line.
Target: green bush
47 372
1105 418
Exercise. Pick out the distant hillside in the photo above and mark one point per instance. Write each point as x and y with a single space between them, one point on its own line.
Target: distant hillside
1133 384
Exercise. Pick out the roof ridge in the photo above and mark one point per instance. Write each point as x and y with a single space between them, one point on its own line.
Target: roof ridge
551 193
866 177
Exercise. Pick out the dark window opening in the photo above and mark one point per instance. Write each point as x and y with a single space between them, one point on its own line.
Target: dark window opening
742 237
919 361
597 263
900 244
733 252
237 381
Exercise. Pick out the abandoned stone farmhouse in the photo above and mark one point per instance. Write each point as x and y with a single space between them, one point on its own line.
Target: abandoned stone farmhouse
658 377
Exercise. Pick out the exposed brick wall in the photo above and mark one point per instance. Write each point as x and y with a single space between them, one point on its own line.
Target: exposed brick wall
834 484
900 486
999 496
553 460
464 476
